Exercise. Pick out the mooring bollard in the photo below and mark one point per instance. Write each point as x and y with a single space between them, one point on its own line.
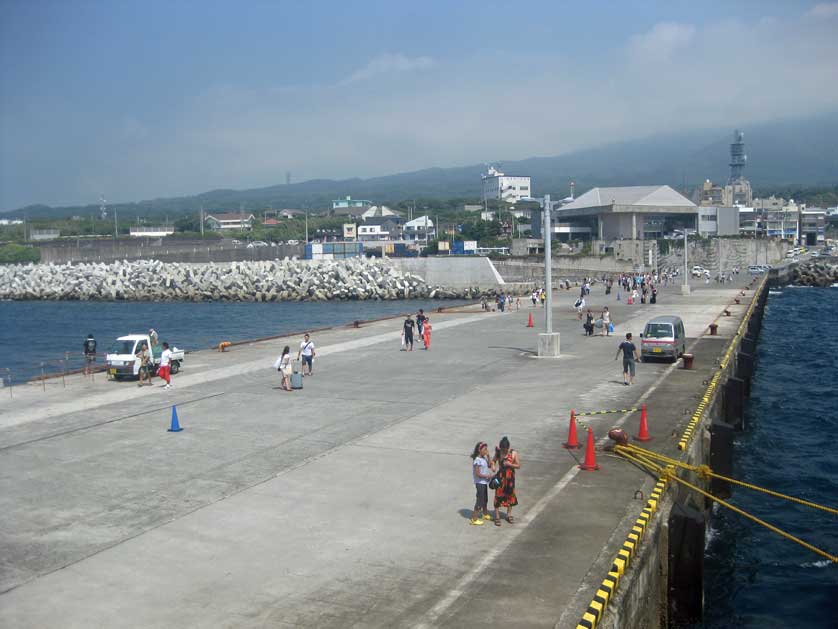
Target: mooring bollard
714 328
688 360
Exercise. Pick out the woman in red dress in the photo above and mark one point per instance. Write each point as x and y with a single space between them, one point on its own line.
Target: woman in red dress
508 461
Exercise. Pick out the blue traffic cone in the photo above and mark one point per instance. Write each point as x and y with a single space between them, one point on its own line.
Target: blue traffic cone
618 295
175 423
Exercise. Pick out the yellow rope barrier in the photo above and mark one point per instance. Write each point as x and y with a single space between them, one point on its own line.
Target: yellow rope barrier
770 527
705 472
642 457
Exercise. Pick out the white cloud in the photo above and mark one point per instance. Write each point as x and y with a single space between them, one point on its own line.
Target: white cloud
388 64
662 40
824 9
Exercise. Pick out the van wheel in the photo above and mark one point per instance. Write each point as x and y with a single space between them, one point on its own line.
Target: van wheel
175 366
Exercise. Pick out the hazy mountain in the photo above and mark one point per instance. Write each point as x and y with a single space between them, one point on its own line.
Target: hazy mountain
801 152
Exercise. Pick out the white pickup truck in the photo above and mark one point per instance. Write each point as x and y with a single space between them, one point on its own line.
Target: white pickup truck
123 363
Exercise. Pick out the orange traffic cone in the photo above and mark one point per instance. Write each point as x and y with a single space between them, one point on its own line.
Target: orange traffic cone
630 301
644 427
590 456
572 442
529 323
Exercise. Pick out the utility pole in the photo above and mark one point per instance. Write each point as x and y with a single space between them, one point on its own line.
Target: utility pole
548 342
202 220
685 287
306 226
115 224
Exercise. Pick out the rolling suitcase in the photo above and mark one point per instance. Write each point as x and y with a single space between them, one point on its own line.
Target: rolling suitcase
296 379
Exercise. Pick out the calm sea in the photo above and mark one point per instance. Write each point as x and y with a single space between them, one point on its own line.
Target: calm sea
36 331
754 577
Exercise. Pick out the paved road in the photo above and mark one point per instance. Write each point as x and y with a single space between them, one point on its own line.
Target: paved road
345 504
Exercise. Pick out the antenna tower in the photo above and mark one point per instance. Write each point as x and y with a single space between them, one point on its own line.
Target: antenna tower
737 157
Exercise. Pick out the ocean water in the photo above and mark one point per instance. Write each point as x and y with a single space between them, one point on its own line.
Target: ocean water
32 332
754 577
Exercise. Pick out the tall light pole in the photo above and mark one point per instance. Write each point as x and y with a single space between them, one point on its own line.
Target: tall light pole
548 341
685 287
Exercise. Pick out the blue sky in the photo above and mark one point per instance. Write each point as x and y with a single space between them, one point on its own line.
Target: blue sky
138 100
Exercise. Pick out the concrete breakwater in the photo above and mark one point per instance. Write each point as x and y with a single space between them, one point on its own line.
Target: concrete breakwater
815 273
278 280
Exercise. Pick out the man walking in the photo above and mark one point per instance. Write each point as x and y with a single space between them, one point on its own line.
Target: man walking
164 370
307 353
420 322
629 356
89 347
408 333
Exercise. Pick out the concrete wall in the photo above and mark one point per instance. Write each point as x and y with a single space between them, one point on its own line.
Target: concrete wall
531 270
88 250
452 271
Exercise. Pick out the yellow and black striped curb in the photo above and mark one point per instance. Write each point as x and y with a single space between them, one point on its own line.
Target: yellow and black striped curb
695 420
608 587
619 410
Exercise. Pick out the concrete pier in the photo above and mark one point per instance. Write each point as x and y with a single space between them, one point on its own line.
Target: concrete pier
347 503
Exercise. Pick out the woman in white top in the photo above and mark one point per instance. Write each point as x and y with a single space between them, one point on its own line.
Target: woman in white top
284 367
606 321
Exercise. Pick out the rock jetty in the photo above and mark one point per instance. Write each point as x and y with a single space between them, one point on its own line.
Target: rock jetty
816 273
280 280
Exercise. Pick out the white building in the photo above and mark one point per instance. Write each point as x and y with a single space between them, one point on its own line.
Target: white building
502 187
228 220
151 231
420 229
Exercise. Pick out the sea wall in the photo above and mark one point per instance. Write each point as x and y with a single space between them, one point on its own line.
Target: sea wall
452 271
821 273
286 280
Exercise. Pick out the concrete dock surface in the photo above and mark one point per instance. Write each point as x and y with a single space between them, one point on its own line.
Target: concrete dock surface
345 504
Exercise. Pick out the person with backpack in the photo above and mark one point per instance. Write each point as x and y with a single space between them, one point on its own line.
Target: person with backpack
89 347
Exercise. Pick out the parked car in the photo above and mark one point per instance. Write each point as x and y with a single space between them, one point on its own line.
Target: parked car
663 337
697 271
257 243
293 242
121 357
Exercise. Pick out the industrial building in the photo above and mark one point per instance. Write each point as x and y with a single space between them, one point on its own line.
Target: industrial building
632 213
718 221
501 187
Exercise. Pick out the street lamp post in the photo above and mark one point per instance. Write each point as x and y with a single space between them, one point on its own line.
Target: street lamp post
548 341
685 287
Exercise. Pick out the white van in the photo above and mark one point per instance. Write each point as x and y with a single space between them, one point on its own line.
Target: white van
663 337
